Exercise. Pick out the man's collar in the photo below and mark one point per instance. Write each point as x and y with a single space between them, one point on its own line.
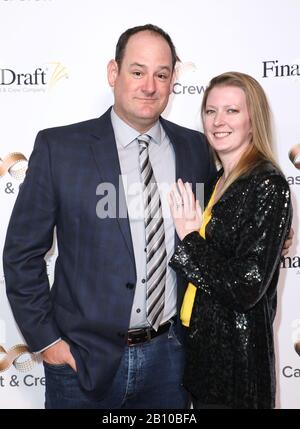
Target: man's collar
125 134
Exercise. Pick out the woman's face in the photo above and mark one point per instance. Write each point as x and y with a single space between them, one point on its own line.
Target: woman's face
226 121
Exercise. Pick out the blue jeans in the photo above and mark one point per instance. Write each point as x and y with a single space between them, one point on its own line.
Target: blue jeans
149 377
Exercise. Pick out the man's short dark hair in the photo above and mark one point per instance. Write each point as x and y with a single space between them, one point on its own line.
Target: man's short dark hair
123 40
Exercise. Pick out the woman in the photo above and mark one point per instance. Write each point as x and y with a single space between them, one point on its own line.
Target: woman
233 264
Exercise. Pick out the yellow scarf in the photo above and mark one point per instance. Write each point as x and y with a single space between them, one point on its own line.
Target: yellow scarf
189 297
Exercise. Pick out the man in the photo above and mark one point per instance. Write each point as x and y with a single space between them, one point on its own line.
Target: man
103 342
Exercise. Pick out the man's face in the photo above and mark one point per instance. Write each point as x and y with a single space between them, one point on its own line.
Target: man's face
144 82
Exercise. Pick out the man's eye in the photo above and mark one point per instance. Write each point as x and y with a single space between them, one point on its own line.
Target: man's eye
137 73
163 76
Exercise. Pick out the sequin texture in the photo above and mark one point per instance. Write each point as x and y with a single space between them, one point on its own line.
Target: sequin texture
230 350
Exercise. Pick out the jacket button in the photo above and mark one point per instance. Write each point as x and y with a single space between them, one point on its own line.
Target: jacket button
129 285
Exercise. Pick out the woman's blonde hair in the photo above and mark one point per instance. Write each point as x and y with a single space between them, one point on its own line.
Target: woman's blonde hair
260 115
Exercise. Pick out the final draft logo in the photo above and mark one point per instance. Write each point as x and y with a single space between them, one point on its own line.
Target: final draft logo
15 164
35 80
59 72
14 357
273 68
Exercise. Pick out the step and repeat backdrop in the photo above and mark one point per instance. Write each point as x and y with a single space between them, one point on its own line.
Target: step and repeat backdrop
53 57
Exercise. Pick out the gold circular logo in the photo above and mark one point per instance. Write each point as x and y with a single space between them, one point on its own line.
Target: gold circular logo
15 164
12 357
294 155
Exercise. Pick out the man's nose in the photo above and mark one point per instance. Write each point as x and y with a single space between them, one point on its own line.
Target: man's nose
149 86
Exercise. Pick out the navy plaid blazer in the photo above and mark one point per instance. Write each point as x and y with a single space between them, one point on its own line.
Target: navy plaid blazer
90 302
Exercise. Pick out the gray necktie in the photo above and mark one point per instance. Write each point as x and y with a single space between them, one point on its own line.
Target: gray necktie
155 238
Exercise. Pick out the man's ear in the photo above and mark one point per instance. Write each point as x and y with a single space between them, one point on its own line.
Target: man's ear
112 72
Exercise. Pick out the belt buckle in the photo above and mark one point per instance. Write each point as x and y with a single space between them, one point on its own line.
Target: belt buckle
142 335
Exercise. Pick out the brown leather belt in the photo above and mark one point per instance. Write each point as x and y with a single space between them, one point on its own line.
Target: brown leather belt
139 336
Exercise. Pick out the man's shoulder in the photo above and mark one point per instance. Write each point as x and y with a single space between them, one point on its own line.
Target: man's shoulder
78 128
70 128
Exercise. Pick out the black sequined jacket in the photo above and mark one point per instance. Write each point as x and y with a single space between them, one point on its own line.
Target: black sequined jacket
230 351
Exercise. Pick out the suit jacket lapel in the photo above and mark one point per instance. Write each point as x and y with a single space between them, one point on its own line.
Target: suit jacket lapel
181 162
106 157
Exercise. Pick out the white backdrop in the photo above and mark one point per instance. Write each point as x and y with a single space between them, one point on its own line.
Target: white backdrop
53 56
